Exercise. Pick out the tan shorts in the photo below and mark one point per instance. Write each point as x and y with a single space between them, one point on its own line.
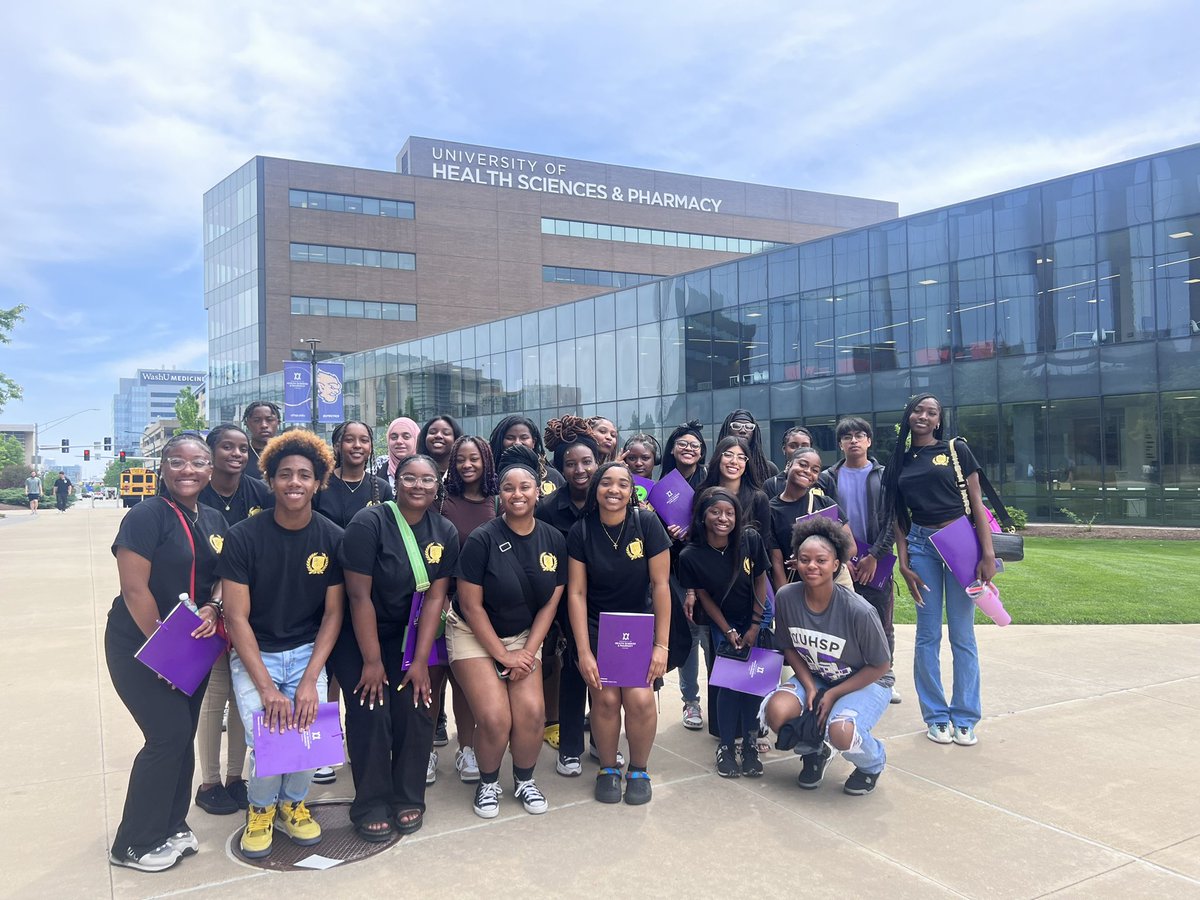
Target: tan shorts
461 642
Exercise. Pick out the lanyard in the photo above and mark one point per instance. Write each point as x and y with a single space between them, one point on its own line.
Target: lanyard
192 544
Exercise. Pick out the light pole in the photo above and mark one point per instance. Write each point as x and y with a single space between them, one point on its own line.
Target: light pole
312 383
38 427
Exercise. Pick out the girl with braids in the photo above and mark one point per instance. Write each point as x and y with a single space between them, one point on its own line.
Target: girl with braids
641 455
605 434
236 498
524 431
166 546
401 442
351 487
389 721
619 562
261 419
800 497
436 438
921 492
726 564
469 502
740 423
795 438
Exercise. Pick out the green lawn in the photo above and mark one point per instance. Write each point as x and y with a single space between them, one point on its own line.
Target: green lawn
1094 582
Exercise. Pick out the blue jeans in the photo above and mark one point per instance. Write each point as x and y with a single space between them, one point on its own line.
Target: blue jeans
286 669
864 707
689 672
965 706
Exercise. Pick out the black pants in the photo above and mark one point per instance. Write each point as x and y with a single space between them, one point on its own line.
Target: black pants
884 603
389 745
737 716
160 782
61 503
572 704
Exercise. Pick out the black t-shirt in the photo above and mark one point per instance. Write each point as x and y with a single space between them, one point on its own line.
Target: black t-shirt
62 486
373 546
928 485
485 562
153 531
618 579
703 568
557 509
552 482
339 503
287 572
251 497
784 514
252 468
774 485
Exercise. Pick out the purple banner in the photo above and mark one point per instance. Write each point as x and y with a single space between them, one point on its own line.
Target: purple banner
297 392
330 399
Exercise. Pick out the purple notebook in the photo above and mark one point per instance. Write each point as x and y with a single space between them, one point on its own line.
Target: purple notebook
298 751
173 653
623 648
884 567
758 675
437 653
829 512
671 497
959 548
642 487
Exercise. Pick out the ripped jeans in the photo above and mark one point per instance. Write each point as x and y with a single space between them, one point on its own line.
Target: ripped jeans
864 707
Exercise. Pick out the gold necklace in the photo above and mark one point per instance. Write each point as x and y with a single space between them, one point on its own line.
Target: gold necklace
226 500
616 545
357 484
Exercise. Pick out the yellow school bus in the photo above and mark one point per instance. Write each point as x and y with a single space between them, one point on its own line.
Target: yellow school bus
136 485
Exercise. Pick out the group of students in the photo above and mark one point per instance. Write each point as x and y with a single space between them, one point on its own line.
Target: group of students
333 576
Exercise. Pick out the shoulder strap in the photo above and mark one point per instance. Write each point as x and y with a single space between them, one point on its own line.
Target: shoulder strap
985 484
510 559
411 548
191 543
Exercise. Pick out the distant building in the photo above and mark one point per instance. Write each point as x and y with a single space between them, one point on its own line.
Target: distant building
26 434
145 399
156 435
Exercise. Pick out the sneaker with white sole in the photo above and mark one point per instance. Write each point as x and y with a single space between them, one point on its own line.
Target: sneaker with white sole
568 766
692 719
895 698
594 753
860 783
964 736
185 842
531 798
467 765
157 860
939 733
324 775
814 768
487 799
431 769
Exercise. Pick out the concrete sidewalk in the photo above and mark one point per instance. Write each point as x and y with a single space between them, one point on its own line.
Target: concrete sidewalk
1082 784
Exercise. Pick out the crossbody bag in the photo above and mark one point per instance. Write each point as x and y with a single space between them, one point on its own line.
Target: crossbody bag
1007 544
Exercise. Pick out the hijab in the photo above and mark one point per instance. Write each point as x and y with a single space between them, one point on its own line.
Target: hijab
393 459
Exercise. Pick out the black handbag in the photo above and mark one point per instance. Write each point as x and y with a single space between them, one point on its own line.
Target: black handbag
1007 544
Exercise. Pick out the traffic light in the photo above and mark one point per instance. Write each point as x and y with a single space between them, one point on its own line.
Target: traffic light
66 445
87 455
108 445
122 456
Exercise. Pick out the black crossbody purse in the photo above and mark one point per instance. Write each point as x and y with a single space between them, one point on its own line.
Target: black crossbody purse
1007 544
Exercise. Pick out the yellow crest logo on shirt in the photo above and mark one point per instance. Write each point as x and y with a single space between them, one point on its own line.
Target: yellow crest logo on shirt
634 550
433 553
253 511
216 542
941 460
816 492
548 488
317 563
746 565
549 562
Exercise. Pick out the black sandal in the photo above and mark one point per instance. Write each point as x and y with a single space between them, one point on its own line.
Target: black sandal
375 832
411 825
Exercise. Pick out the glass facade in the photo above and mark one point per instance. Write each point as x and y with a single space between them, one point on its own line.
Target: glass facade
598 277
1059 323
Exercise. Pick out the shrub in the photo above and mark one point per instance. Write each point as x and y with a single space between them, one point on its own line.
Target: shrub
1019 516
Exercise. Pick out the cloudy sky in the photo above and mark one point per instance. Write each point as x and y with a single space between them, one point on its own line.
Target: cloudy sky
117 117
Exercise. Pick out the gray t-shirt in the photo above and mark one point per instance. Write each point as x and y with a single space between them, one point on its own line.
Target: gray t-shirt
838 642
33 485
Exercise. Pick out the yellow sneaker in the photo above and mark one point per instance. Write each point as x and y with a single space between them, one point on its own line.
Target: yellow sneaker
256 836
551 736
299 824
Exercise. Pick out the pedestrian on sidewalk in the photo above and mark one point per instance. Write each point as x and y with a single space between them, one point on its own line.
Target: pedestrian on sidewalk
166 546
63 488
33 491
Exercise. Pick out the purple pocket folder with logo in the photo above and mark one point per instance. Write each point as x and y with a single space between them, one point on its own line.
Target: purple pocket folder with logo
173 653
959 548
758 675
671 497
298 751
437 653
623 648
884 567
829 512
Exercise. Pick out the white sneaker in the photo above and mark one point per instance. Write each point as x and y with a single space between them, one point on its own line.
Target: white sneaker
431 769
324 775
157 860
531 798
185 842
939 733
594 753
467 765
487 799
568 766
895 698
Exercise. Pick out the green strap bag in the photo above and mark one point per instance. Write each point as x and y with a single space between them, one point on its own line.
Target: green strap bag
415 559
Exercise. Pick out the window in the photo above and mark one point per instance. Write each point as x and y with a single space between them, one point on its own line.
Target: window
353 256
655 237
363 206
354 309
598 277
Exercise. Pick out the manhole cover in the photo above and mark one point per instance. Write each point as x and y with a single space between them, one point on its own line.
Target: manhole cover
340 843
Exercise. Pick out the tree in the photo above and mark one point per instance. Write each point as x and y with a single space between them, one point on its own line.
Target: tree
112 475
9 389
13 476
12 453
187 411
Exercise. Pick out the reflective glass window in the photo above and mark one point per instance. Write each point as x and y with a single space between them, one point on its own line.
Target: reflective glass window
850 257
1123 196
973 317
889 323
605 367
698 352
752 279
929 322
1176 186
627 363
971 230
816 332
1017 218
888 247
1017 300
354 309
928 239
783 273
299 306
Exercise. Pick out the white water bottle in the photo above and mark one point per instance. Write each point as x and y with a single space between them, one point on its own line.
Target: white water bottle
187 601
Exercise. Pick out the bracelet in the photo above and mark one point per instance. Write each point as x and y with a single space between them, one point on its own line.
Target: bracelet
662 646
731 631
218 605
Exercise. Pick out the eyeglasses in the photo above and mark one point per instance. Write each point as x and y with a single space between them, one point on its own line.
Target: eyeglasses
743 427
854 436
733 454
177 464
423 480
687 445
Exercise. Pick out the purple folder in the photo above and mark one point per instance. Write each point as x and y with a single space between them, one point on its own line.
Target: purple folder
758 675
437 653
623 648
173 653
642 487
829 512
298 751
671 497
884 567
959 548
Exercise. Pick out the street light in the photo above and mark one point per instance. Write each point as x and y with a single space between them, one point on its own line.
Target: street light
312 383
52 424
